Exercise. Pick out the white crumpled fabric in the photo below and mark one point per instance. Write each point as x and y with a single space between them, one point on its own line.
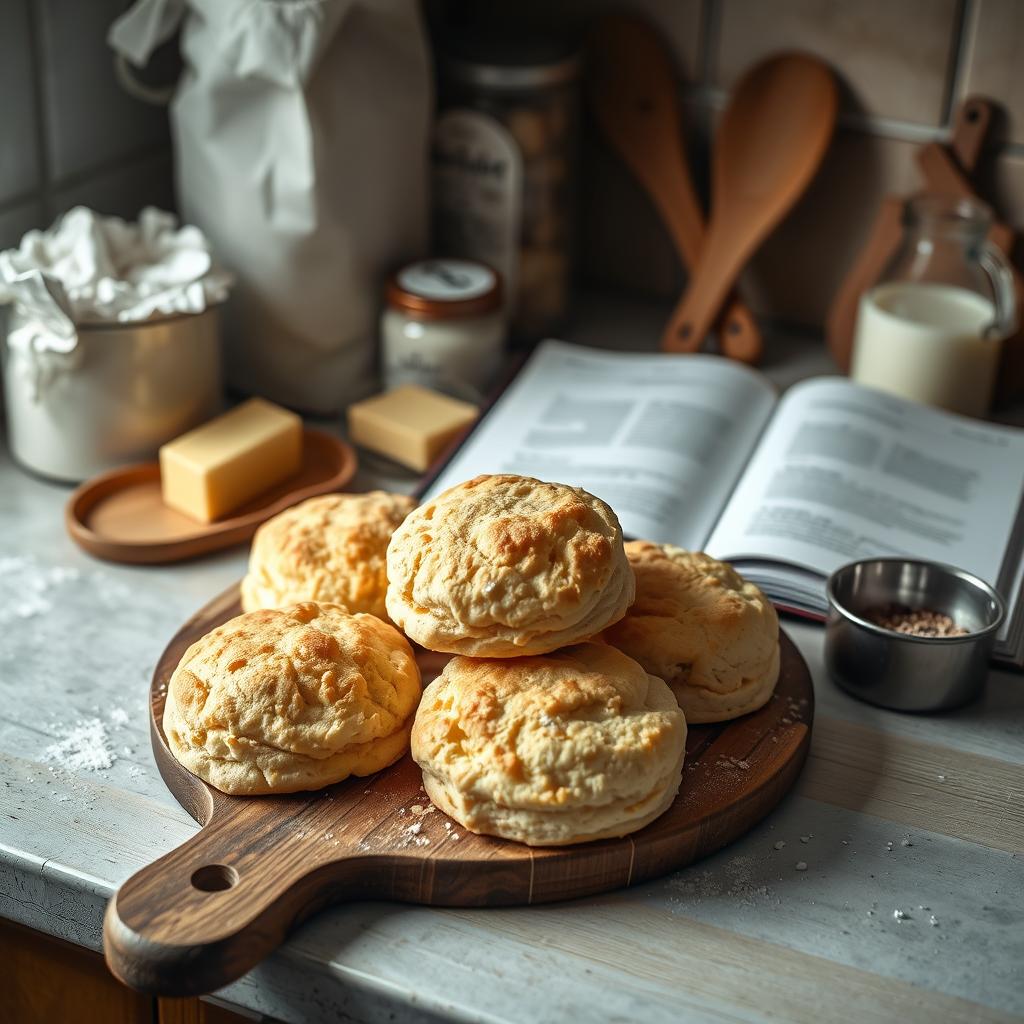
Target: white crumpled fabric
301 137
88 268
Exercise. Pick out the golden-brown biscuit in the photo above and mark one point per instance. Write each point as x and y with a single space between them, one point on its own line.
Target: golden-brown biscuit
503 566
561 748
329 549
696 623
276 701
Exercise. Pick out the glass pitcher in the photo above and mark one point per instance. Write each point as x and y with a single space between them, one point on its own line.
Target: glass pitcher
932 327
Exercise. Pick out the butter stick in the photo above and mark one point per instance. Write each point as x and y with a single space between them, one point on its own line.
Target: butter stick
215 469
411 425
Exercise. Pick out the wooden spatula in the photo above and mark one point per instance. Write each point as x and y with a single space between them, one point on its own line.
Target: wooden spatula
772 138
633 94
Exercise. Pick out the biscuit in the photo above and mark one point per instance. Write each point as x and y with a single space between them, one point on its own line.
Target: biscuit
503 566
276 701
561 748
329 549
696 623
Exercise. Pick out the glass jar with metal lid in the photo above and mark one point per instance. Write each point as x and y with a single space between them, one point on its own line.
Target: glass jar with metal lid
504 168
443 327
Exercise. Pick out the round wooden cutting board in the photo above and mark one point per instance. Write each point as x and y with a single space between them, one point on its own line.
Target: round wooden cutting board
207 912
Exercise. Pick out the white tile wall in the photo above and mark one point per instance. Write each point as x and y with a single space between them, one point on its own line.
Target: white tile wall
17 219
122 190
893 56
69 134
90 120
19 152
995 49
902 65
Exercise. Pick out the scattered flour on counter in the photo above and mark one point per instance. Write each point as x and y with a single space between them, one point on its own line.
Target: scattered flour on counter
25 584
119 716
109 591
738 880
85 746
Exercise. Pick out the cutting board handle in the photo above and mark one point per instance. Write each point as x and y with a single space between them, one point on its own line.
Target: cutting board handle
206 913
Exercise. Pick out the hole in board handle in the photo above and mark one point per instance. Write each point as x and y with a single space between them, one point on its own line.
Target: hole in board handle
214 878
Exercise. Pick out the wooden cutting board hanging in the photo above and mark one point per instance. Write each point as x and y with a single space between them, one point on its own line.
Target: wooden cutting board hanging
945 172
204 914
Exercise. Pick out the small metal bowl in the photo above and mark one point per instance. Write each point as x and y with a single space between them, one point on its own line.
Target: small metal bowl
897 670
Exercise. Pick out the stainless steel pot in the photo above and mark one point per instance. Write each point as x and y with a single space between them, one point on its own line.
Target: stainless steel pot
122 392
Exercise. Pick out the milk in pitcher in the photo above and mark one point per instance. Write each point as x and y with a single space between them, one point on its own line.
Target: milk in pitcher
929 342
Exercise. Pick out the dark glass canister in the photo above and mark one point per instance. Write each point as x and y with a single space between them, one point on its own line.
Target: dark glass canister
505 153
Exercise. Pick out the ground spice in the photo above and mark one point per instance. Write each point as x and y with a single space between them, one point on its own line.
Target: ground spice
914 621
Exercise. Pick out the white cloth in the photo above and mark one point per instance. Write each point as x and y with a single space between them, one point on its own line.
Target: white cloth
301 133
91 269
88 268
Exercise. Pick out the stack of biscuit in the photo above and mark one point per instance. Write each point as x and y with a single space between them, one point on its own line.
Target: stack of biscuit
578 659
531 732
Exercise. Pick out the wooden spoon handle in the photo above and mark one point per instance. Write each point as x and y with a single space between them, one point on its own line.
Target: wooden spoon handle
207 912
739 337
699 306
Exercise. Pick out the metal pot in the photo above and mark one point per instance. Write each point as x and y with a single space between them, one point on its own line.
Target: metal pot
123 391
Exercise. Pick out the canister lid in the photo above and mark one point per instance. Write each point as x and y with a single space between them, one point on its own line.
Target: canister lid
443 289
509 60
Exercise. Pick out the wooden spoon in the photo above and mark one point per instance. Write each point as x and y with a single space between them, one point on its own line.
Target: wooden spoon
771 141
633 94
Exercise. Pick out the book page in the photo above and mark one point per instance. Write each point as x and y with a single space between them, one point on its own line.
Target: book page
847 472
661 438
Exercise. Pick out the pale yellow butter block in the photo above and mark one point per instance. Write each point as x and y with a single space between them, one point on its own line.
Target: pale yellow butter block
411 424
216 468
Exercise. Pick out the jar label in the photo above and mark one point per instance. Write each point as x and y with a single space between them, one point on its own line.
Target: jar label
478 186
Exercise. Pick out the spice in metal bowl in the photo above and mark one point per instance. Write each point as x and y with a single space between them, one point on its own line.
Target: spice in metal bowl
915 621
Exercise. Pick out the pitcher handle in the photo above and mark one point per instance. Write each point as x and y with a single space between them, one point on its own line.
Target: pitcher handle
1000 274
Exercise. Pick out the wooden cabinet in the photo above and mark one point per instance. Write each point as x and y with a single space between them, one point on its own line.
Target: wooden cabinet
46 981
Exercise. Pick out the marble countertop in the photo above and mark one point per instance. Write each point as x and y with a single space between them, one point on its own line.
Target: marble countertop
918 814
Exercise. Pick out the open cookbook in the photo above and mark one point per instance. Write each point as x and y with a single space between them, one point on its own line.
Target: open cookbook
702 453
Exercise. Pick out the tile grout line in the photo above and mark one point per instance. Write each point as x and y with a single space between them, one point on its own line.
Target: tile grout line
709 33
959 57
137 157
41 193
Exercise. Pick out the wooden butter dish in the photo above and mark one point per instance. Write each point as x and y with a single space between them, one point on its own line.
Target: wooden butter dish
120 515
